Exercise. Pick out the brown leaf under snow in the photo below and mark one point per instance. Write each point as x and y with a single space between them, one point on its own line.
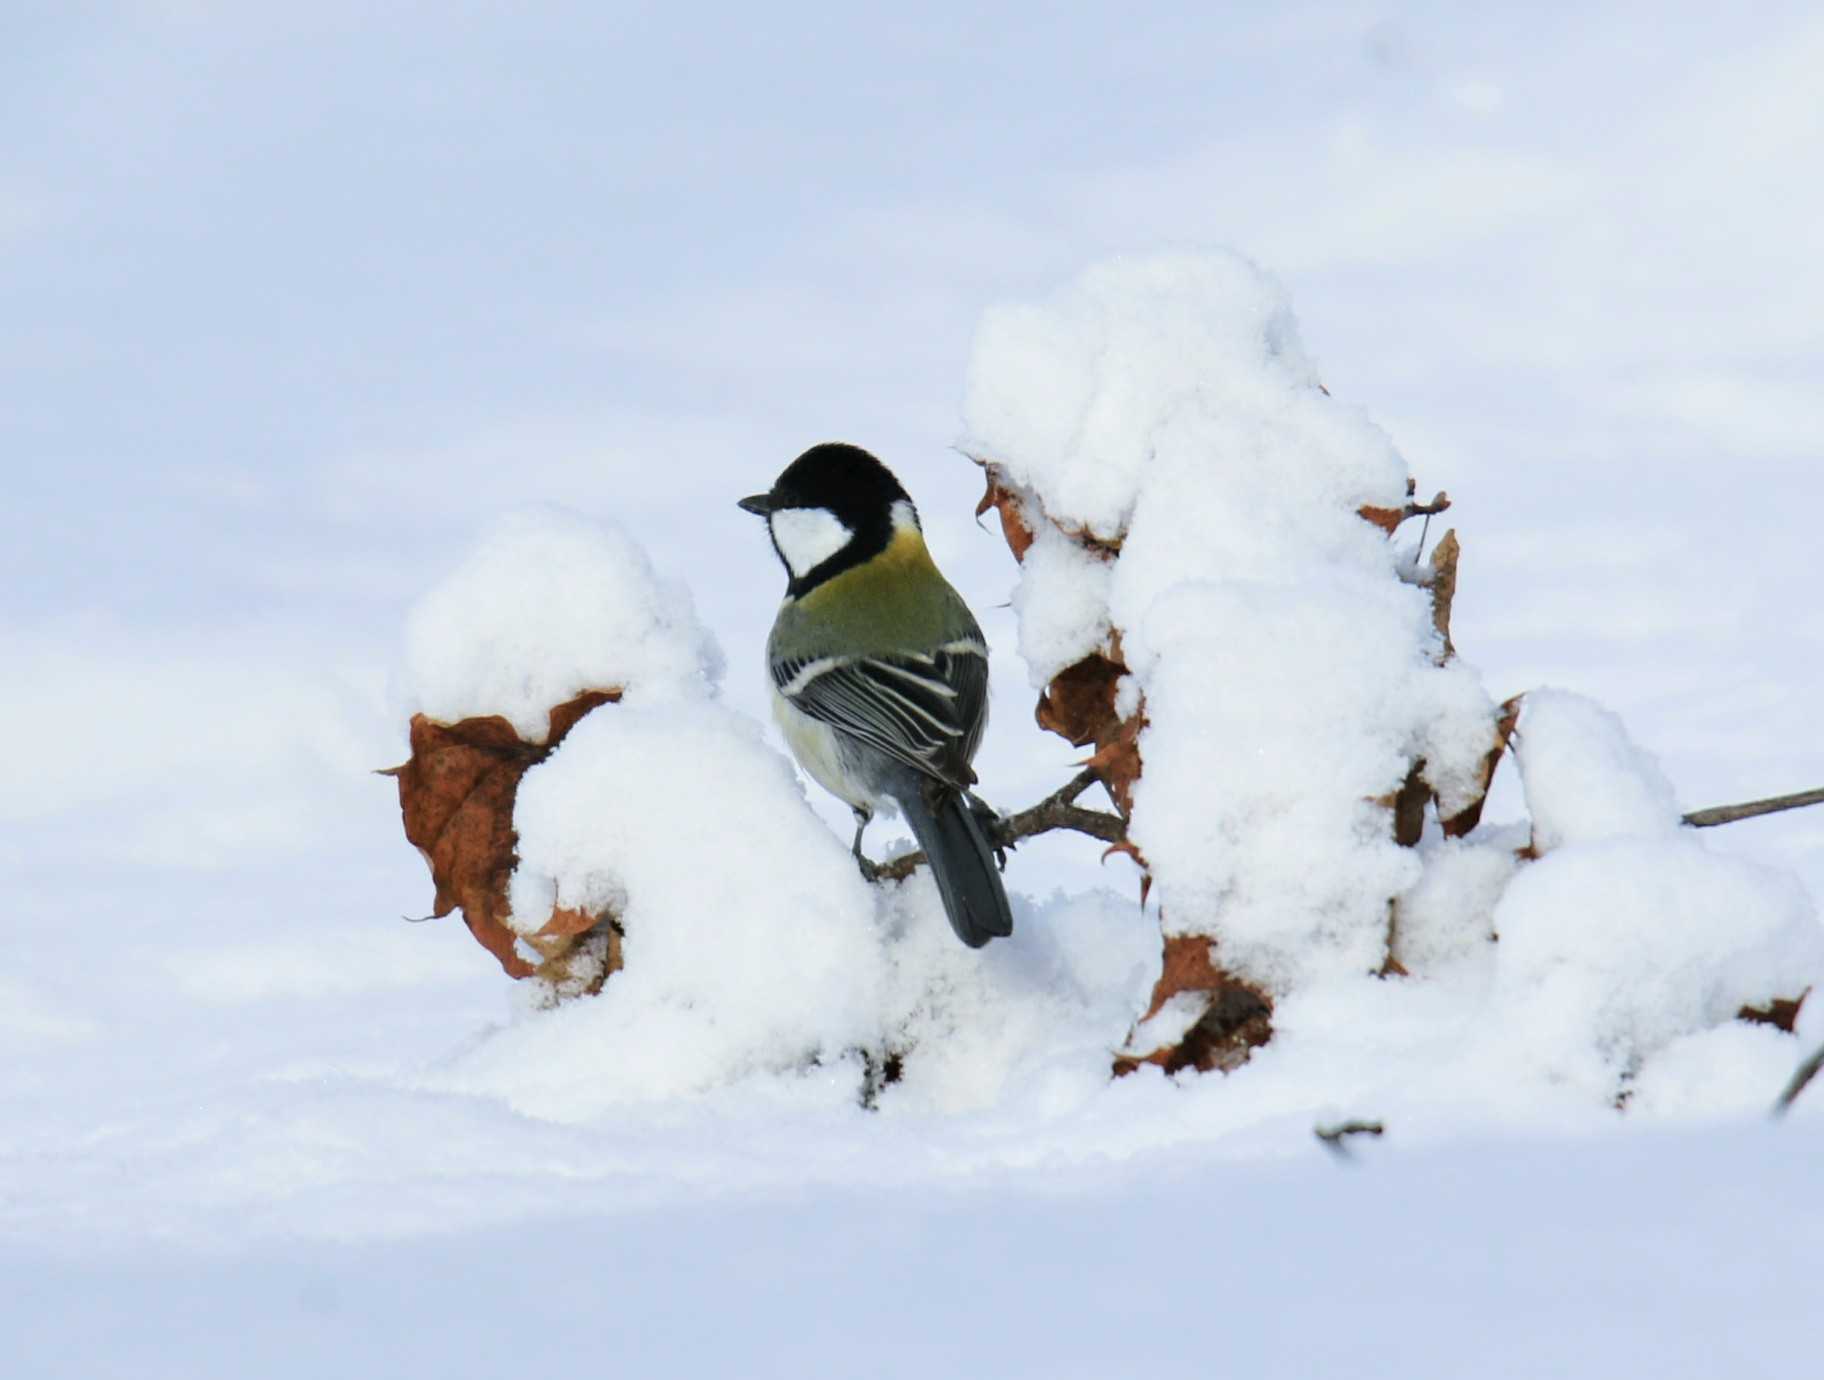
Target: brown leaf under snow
456 795
1781 1013
1408 804
1470 815
1079 706
1237 1019
1389 519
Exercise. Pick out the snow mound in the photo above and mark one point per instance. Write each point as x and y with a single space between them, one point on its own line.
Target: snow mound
1164 406
754 956
1585 779
1610 951
1194 497
548 605
1629 935
750 943
1196 500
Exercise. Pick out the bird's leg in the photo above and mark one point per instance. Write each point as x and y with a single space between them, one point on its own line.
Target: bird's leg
991 821
868 871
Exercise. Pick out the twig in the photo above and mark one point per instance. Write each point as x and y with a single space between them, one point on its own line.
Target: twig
1336 1138
1728 814
1802 1075
1055 811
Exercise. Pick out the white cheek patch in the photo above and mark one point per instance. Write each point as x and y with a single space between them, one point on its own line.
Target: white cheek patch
807 537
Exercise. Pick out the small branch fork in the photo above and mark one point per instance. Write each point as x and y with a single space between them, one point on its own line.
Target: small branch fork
1056 811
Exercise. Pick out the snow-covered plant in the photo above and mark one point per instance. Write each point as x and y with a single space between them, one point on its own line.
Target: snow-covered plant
1217 601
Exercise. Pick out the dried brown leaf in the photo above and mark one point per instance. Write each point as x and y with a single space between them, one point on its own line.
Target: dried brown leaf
1389 519
1409 804
1079 704
1117 763
456 795
1007 503
1782 1012
1237 1019
1444 587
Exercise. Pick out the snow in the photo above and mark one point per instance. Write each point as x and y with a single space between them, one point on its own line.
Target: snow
1283 653
1585 780
251 1123
1610 951
747 937
1447 917
1062 604
1496 1258
550 604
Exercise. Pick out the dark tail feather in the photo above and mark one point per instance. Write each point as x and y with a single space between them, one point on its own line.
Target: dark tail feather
962 861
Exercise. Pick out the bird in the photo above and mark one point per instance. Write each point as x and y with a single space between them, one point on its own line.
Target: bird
879 671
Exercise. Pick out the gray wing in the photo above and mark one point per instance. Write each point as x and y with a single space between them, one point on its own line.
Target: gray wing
924 709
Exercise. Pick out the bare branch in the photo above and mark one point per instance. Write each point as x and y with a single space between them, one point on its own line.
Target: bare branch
1728 814
1055 811
1802 1075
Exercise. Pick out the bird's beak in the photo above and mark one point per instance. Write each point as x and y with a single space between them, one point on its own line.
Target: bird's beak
759 504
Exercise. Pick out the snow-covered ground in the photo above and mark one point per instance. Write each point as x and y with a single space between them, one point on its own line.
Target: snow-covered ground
301 304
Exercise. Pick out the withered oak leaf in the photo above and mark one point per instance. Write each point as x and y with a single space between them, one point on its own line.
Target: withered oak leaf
1237 1018
456 795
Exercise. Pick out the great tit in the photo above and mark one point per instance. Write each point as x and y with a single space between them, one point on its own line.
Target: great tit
879 670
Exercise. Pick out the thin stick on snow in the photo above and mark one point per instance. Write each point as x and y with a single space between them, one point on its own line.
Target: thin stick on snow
1728 814
1802 1075
1055 811
1336 1138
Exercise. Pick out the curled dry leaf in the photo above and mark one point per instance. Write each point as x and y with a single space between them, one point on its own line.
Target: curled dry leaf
456 795
1079 704
1006 502
1126 847
1444 588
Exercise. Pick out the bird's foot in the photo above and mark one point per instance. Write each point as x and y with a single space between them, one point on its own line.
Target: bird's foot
994 826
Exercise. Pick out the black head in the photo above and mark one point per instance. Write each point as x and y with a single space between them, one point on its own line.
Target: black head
848 485
845 479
